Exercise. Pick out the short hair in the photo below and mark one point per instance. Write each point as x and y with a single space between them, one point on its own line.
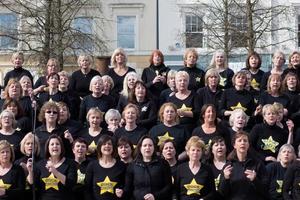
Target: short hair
182 73
53 74
32 137
56 63
270 107
278 106
46 106
187 51
139 145
290 58
110 80
131 105
113 57
63 73
289 147
162 145
279 53
112 113
17 54
253 54
162 109
195 141
214 140
125 91
213 59
15 102
171 73
211 72
284 86
85 56
103 140
11 82
94 79
11 115
276 76
25 77
94 110
235 113
5 144
203 110
240 73
122 141
159 53
47 153
80 140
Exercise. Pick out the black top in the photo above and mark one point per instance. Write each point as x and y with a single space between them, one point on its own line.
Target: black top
79 187
276 175
266 98
80 83
165 95
101 183
191 186
148 114
206 96
133 135
17 73
57 97
226 78
291 189
196 77
42 80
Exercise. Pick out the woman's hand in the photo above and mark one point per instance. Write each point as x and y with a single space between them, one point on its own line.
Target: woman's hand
119 192
227 171
68 136
250 174
149 196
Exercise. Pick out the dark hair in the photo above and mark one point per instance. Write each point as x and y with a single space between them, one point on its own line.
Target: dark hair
53 74
232 155
214 140
54 136
102 141
284 87
203 110
132 97
10 101
80 140
254 53
162 145
123 141
138 154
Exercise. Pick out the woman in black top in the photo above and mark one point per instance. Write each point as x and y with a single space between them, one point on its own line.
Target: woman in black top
118 70
148 176
12 178
54 176
112 119
243 176
125 150
105 176
276 170
294 63
80 79
290 188
171 90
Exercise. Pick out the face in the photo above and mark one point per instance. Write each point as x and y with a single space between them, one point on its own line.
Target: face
181 83
97 86
26 84
13 108
51 115
113 121
280 115
147 148
106 85
219 149
241 144
291 82
219 59
270 117
6 120
64 81
130 115
5 155
63 113
171 81
286 155
107 148
212 81
14 90
28 146
169 151
94 120
169 114
295 59
156 59
18 61
194 153
253 62
124 151
52 67
140 91
191 59
79 150
239 121
54 147
53 81
278 60
209 115
120 58
274 84
240 80
84 63
131 81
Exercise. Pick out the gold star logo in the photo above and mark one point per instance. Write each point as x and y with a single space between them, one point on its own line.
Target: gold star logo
254 84
185 108
255 100
208 145
92 147
238 106
270 144
80 177
279 183
18 129
163 138
106 185
193 187
3 185
198 79
51 182
217 181
222 81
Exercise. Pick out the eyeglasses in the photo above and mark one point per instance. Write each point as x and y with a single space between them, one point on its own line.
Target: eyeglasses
53 112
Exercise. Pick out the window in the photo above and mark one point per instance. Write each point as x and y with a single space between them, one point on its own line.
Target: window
238 35
83 29
193 31
126 32
8 31
298 30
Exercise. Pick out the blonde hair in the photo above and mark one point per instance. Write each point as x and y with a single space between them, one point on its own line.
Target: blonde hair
11 115
31 137
113 57
93 111
95 79
213 59
11 82
108 79
17 54
162 109
125 91
270 107
211 72
275 76
187 52
83 56
5 144
195 141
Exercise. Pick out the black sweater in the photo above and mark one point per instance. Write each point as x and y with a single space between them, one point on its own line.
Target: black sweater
290 188
196 77
276 175
17 73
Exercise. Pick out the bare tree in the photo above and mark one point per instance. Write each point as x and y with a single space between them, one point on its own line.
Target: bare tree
58 28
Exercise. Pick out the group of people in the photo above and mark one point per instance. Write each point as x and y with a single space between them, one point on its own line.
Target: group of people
187 134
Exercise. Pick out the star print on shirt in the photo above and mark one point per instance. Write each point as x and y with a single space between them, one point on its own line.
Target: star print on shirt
254 84
107 185
217 181
198 79
92 146
163 138
80 177
144 109
185 108
4 185
51 182
279 188
222 81
238 106
270 144
193 187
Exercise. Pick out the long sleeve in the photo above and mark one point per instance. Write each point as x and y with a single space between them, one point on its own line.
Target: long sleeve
18 184
165 192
